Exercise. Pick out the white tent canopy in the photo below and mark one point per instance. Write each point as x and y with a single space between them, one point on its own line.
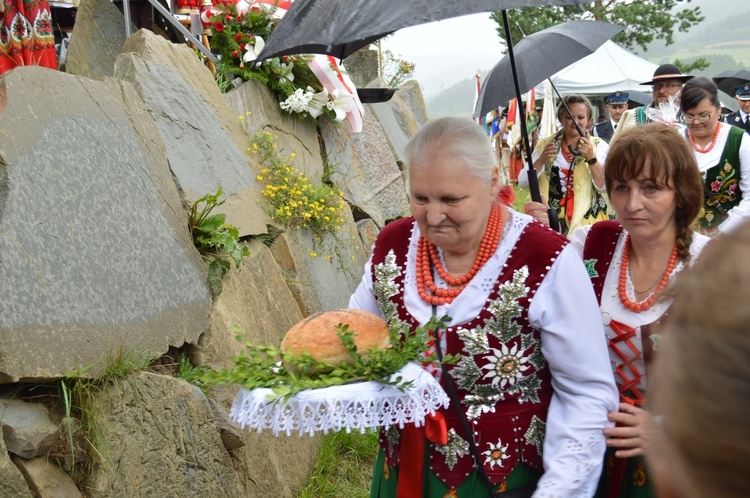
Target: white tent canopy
607 70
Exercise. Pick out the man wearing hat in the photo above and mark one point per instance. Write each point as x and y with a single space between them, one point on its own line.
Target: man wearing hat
666 82
741 118
617 104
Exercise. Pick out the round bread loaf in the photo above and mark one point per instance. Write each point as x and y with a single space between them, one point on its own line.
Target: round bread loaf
316 335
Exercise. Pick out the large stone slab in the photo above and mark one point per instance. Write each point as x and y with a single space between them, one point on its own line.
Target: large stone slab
205 145
260 110
365 169
95 253
97 38
322 275
401 117
161 440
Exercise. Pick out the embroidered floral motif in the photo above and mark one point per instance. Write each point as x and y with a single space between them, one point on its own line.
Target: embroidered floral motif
393 436
639 475
506 366
590 264
724 186
495 454
535 433
455 448
384 287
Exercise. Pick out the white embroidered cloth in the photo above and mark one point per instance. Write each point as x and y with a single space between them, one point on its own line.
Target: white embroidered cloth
361 405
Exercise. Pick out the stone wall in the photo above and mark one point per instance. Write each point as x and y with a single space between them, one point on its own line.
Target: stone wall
96 258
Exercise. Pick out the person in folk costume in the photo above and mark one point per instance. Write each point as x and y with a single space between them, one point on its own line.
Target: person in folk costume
741 118
572 184
533 383
617 104
723 155
656 192
705 410
667 82
26 35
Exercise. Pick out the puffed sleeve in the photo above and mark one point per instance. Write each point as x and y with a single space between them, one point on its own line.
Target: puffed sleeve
573 343
741 211
364 297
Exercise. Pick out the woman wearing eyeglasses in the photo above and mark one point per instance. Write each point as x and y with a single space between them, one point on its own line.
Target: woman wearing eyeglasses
723 155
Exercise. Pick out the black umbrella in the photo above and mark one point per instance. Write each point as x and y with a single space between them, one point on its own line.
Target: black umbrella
539 56
728 81
639 98
341 27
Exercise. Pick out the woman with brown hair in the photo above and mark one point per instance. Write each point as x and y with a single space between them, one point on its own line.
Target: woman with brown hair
571 168
656 191
703 370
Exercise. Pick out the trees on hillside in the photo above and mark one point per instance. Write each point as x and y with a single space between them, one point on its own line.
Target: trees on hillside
646 21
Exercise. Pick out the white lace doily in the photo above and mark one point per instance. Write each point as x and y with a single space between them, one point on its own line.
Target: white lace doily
361 405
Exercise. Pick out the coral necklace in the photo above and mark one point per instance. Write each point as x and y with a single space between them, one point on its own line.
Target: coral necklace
427 253
622 284
710 146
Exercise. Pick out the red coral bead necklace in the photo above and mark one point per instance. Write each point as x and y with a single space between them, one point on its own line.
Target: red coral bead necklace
427 253
622 284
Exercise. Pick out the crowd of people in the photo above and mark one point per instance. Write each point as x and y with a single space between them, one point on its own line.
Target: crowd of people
575 370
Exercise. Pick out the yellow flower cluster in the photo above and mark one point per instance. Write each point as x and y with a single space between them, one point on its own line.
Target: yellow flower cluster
290 197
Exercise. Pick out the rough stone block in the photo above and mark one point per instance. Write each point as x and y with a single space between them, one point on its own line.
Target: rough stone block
12 482
161 441
46 479
97 38
95 252
27 428
205 145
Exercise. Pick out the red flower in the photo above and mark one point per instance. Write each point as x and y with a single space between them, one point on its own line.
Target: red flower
238 37
506 195
235 54
228 18
242 46
285 58
218 26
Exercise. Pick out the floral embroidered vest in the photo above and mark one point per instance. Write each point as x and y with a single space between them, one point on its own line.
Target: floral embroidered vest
502 379
722 184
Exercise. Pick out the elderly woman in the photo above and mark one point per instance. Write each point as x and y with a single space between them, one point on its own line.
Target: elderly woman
533 371
571 168
706 409
723 155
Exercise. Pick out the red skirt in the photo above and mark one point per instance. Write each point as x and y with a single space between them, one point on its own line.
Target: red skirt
26 37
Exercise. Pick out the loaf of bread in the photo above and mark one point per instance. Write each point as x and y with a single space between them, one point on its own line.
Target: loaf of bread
316 335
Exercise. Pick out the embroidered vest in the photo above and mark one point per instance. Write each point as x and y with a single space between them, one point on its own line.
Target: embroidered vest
723 184
502 379
598 251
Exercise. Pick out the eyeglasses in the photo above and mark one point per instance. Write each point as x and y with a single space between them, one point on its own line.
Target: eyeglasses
668 86
701 118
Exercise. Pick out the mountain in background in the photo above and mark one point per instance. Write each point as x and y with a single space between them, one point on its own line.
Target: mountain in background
723 38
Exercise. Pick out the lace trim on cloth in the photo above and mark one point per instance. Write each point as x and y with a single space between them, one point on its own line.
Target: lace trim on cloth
578 471
361 405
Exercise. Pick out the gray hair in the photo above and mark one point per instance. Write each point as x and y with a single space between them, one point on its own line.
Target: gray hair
456 138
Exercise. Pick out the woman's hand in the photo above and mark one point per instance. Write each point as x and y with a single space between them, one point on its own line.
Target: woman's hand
636 433
548 152
586 148
537 210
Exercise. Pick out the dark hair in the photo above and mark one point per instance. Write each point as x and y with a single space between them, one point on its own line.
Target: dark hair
573 98
697 89
667 157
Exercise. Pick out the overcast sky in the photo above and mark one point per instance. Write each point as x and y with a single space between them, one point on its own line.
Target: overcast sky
448 51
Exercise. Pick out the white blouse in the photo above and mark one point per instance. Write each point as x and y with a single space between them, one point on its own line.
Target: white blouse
613 309
565 311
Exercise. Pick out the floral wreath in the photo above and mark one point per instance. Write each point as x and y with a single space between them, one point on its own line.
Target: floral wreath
306 85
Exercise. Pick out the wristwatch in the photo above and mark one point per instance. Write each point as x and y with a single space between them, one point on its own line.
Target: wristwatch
591 161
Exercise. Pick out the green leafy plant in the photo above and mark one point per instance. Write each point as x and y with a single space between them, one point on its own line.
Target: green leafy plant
287 374
215 239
